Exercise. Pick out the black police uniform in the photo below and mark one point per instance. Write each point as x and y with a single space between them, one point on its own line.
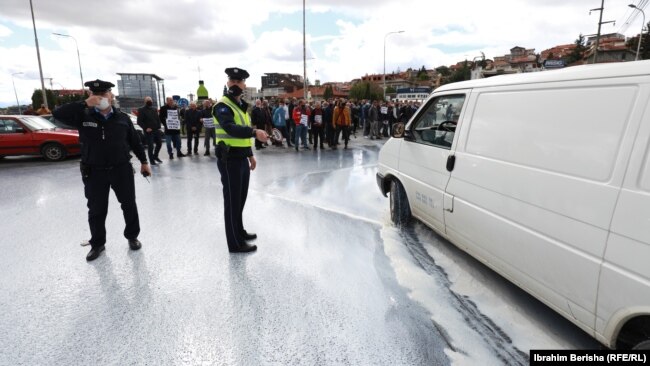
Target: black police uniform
235 170
105 162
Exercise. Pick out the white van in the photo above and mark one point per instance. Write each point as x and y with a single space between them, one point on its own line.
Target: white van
545 178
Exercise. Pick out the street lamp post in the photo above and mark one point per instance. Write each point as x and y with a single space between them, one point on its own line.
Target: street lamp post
304 53
38 56
78 57
15 93
384 75
638 47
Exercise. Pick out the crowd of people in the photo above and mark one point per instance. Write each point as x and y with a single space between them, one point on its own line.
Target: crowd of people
300 124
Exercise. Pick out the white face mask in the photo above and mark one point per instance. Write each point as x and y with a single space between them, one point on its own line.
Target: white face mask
103 104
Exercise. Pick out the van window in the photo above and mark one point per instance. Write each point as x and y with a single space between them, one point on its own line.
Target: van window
573 131
436 124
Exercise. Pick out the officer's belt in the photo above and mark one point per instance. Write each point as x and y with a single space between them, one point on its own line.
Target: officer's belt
106 167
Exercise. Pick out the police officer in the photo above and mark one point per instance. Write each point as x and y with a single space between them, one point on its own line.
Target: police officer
106 136
235 157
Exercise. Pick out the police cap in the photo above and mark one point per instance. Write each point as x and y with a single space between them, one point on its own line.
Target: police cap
99 86
235 73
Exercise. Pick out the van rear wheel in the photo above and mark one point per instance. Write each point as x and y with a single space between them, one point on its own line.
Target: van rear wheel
400 211
645 345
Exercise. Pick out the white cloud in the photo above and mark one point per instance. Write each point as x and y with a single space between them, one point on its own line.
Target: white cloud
4 31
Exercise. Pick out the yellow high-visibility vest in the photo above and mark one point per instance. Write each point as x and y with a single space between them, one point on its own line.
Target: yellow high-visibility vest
241 118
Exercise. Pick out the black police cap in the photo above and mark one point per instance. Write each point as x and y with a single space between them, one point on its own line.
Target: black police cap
236 73
99 86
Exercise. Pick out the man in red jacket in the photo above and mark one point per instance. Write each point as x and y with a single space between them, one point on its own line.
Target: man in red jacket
301 118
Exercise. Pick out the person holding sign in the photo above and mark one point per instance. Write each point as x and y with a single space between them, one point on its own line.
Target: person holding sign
301 119
170 118
107 135
235 157
208 126
317 125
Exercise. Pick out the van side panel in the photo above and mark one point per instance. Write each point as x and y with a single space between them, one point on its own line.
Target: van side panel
624 289
535 184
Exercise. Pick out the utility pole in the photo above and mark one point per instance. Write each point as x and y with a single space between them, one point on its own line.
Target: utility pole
38 55
304 52
600 22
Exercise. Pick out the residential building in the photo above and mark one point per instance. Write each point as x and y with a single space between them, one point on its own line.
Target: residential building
286 82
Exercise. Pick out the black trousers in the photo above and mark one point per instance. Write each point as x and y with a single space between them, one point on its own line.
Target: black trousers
317 131
235 175
346 134
97 187
152 138
193 135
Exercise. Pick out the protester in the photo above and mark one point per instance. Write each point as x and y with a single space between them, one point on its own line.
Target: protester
149 121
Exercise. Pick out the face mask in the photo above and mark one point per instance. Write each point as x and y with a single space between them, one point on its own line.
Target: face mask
149 103
235 91
103 104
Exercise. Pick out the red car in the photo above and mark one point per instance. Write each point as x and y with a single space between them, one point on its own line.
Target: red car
34 135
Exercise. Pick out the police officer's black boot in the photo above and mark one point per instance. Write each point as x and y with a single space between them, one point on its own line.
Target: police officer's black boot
249 236
243 248
135 244
94 253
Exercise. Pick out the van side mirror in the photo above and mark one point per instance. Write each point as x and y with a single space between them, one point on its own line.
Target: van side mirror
398 130
19 130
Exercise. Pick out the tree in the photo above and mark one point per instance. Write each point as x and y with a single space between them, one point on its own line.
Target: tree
328 93
37 98
366 90
390 90
443 70
422 74
462 74
578 52
60 100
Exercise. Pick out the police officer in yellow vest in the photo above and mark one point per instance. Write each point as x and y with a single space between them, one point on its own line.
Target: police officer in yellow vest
235 157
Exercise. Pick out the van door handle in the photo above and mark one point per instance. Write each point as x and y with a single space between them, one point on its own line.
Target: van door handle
451 161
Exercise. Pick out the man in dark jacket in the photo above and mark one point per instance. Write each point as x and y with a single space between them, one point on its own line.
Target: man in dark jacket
193 126
106 135
172 122
150 123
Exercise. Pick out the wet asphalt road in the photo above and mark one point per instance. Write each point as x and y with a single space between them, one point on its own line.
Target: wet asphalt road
322 289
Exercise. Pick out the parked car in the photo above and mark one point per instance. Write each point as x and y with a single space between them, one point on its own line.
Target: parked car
35 135
545 178
58 123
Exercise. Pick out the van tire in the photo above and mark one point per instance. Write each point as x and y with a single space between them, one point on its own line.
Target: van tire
645 345
400 211
53 152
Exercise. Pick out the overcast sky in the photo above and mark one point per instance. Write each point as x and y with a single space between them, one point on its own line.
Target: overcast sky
345 38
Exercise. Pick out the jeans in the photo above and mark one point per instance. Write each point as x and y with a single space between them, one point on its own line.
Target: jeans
210 135
176 139
301 133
